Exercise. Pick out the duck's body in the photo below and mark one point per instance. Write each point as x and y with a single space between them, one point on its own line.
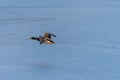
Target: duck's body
46 39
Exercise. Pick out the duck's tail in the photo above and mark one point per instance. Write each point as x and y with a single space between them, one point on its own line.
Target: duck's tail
34 38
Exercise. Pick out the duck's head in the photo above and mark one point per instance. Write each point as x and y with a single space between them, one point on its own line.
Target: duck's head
34 38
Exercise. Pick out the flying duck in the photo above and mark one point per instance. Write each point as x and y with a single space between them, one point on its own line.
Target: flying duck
45 39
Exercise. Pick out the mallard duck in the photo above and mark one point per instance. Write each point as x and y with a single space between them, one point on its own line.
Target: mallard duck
45 39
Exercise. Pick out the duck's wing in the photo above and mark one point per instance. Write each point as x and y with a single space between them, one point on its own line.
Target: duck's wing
48 35
41 42
41 39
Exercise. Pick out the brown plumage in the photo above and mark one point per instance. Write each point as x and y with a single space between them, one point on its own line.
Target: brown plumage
45 39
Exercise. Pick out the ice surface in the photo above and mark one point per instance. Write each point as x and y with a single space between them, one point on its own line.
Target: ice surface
87 43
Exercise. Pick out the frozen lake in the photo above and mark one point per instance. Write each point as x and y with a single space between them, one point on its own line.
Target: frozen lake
87 43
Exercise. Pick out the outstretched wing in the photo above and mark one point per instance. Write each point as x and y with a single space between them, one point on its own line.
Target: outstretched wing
41 42
41 39
48 35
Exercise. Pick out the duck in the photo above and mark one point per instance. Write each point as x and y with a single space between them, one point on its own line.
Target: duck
46 38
